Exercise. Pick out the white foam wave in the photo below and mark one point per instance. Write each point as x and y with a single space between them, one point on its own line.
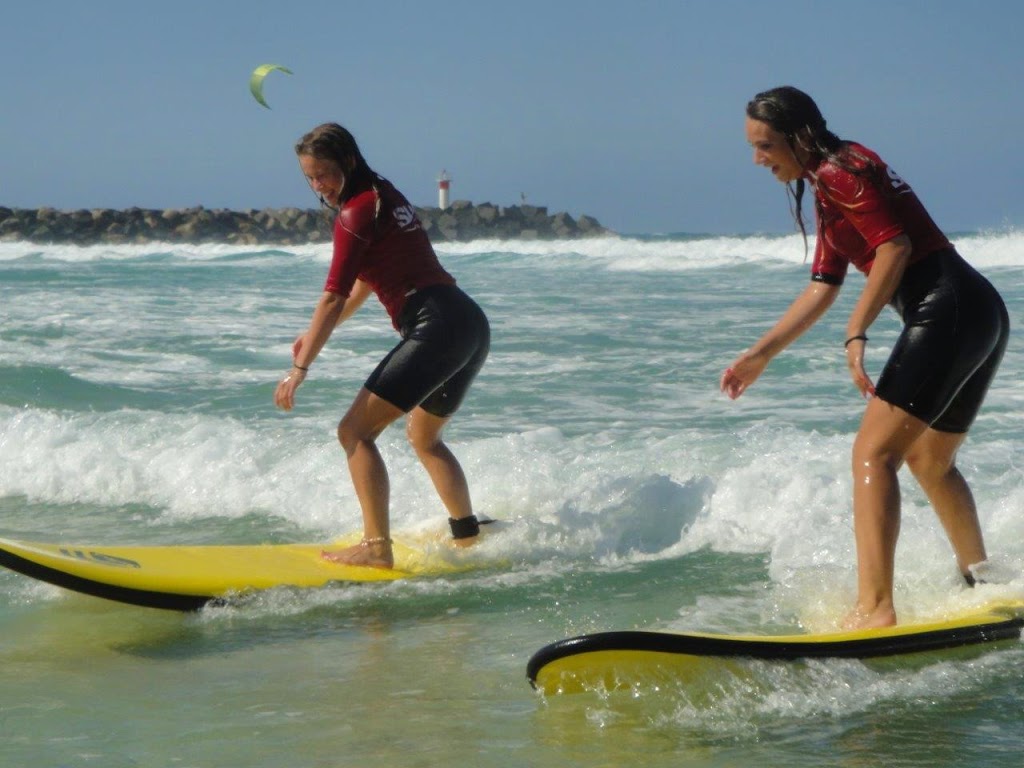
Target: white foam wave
601 502
70 253
614 252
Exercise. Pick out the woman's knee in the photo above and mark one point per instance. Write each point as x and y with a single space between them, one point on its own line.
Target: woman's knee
932 458
347 436
886 435
872 456
928 466
368 416
423 441
352 432
423 431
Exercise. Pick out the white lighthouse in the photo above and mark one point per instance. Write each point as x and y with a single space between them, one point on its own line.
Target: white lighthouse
444 181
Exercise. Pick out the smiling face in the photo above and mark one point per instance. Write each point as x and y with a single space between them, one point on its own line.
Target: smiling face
772 150
324 177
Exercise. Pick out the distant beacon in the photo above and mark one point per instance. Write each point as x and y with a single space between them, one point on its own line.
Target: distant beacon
444 181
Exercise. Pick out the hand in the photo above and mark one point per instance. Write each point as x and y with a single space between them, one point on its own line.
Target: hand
742 373
855 362
284 395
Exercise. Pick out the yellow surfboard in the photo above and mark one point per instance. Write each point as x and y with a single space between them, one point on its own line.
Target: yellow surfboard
186 578
608 661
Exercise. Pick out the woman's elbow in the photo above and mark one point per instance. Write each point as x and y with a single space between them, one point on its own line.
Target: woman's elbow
899 247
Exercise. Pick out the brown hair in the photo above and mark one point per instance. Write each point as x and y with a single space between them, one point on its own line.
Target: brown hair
332 142
794 114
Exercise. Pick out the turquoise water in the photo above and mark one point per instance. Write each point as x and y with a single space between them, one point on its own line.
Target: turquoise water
135 407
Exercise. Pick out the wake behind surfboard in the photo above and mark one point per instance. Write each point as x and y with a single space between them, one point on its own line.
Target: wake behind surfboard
615 660
185 578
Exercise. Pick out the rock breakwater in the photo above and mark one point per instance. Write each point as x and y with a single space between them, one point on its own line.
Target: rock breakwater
279 226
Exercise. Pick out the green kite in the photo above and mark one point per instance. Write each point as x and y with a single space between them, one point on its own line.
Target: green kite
256 81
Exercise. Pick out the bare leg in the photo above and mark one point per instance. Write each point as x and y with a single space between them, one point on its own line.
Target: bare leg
424 433
885 436
932 459
357 432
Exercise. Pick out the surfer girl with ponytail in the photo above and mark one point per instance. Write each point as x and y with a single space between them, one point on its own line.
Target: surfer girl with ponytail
380 247
955 329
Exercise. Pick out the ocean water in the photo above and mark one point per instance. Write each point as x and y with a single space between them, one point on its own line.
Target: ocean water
136 407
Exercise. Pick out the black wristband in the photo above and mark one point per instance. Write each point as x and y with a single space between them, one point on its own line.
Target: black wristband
858 337
304 370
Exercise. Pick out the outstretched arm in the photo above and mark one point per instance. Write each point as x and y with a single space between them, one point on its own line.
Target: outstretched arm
804 312
360 290
354 301
886 272
328 313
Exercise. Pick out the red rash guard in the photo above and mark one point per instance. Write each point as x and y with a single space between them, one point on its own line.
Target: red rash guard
379 240
858 212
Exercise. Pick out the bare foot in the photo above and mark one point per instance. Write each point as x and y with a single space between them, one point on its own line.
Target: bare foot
372 554
872 618
467 541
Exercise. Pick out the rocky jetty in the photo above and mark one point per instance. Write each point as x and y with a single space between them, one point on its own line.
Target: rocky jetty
279 226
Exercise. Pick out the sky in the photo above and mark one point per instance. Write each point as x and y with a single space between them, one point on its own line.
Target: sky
631 112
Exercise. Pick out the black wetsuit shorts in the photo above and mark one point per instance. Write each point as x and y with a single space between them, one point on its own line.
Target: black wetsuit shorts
954 335
445 341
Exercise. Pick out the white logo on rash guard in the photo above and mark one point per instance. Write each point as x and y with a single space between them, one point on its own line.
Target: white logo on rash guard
897 182
406 217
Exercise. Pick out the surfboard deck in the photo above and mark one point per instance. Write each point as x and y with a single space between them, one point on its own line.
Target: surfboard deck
185 578
615 660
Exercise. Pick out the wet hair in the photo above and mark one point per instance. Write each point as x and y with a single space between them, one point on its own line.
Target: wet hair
791 112
336 144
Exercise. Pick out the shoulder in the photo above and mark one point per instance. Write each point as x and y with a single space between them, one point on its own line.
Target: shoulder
358 213
850 174
396 207
389 194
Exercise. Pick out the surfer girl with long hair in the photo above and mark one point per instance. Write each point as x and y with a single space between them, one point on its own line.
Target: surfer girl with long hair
955 329
380 247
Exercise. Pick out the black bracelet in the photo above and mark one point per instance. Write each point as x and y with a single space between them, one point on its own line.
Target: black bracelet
304 370
859 337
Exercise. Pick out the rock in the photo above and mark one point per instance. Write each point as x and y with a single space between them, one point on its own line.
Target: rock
286 226
564 226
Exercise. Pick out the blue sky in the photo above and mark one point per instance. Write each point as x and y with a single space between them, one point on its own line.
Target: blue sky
628 111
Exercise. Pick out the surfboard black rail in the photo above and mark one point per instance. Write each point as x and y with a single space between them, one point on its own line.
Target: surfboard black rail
141 597
767 648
